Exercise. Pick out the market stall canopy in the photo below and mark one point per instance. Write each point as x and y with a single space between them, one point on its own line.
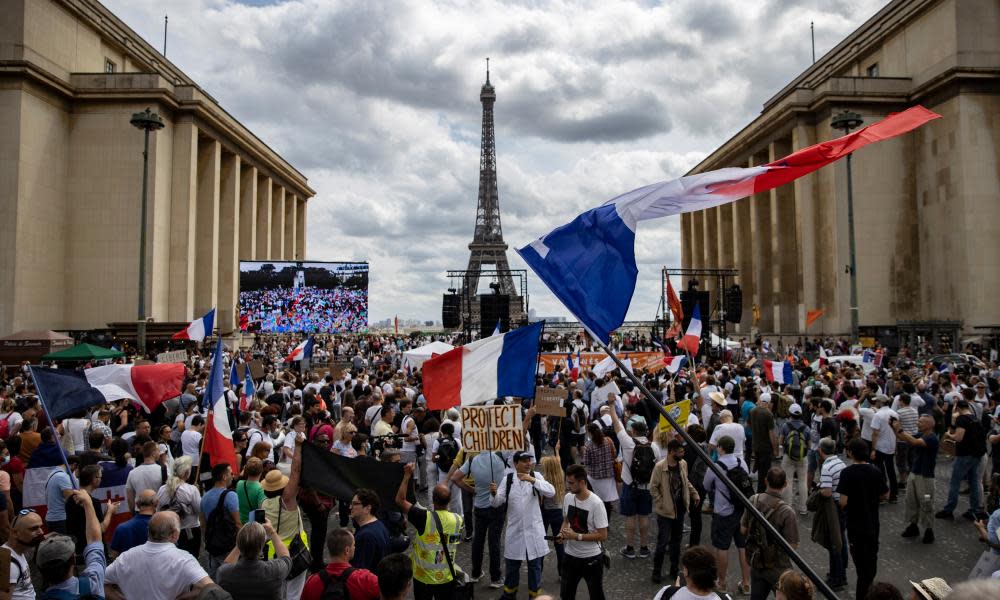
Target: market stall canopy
31 345
416 357
84 352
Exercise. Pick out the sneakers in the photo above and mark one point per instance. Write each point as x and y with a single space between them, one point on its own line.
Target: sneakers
496 584
627 552
911 531
944 514
475 578
928 536
644 552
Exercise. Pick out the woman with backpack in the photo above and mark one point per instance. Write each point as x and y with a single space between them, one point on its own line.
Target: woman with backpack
184 499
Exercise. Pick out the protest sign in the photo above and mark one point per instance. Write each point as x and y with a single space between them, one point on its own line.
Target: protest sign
549 401
489 428
256 369
679 411
339 368
173 356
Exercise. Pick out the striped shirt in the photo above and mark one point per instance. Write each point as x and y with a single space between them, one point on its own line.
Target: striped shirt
908 419
829 475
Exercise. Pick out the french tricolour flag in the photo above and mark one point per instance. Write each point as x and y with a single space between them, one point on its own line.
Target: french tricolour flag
247 393
198 329
67 392
44 461
778 372
218 441
589 263
674 363
692 337
301 352
492 367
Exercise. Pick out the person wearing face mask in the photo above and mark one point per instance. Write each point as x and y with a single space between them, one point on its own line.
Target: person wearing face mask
26 533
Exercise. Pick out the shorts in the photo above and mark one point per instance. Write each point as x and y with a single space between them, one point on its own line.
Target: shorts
726 530
635 501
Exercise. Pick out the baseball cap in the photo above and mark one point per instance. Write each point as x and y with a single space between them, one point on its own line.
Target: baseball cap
56 548
522 454
795 409
765 397
297 393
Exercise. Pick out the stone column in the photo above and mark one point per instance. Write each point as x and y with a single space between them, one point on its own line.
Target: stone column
277 223
804 135
183 216
229 242
711 245
760 233
206 288
264 188
300 231
785 248
686 235
248 212
290 221
743 260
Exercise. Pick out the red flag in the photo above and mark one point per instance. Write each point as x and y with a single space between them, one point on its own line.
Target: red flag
674 303
813 315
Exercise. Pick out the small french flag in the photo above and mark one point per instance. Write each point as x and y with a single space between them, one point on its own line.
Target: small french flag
692 337
198 329
301 352
247 393
492 367
778 372
674 363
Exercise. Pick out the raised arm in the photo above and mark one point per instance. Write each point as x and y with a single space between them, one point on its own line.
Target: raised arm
292 489
401 501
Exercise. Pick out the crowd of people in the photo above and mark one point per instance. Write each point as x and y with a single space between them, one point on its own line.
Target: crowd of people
305 308
833 447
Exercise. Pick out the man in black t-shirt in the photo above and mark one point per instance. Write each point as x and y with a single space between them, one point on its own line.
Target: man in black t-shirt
920 492
861 488
970 445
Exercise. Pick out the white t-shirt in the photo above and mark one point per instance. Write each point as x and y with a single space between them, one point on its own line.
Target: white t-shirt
290 444
191 444
584 516
144 477
155 571
76 430
20 577
256 436
408 446
685 594
886 442
373 414
733 430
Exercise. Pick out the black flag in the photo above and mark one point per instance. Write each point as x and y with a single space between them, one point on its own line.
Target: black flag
340 477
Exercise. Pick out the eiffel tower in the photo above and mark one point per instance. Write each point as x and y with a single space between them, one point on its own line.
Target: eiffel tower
488 248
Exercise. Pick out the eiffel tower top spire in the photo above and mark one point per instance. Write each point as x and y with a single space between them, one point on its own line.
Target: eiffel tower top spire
488 230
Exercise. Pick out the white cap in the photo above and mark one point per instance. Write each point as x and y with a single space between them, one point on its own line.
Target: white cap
795 409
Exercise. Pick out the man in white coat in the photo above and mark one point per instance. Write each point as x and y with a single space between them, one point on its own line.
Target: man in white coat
525 539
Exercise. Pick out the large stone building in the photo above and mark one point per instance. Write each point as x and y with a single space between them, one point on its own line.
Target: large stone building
71 76
927 204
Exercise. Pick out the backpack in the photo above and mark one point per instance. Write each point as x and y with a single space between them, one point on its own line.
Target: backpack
579 416
761 554
781 405
177 507
335 588
220 531
510 482
643 461
740 478
796 446
85 593
447 451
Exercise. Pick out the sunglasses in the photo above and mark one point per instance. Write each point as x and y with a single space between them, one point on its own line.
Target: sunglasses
21 513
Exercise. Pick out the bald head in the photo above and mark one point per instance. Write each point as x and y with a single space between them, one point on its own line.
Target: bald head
165 526
441 496
146 502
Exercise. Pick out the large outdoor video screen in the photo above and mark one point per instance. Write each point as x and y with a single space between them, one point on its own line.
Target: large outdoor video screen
303 297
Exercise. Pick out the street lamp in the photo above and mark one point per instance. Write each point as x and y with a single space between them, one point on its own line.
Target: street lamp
147 121
847 121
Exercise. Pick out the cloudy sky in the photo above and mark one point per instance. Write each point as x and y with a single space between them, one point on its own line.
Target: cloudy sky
377 102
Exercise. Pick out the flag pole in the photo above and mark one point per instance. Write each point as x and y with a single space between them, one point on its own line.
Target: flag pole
735 494
55 432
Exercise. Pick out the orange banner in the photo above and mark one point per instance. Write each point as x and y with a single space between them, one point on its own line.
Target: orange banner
651 361
812 315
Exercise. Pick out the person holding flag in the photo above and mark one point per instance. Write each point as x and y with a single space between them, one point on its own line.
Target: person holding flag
217 441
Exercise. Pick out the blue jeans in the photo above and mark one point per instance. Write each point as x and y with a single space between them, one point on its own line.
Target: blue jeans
552 519
965 468
512 578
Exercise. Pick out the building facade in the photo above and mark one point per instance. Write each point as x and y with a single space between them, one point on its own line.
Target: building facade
71 76
926 204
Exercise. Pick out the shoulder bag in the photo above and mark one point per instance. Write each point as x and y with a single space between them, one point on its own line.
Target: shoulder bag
464 587
297 549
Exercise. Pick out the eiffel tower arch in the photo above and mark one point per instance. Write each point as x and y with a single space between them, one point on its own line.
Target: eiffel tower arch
488 250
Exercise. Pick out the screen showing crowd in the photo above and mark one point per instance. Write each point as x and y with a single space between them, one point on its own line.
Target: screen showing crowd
306 297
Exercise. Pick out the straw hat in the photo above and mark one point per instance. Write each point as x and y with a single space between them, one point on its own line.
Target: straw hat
934 588
274 481
718 398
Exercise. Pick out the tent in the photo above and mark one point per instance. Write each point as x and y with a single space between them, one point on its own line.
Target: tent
416 357
31 345
731 344
84 352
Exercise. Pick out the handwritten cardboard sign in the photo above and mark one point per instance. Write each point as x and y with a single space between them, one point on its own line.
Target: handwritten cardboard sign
492 428
173 356
549 401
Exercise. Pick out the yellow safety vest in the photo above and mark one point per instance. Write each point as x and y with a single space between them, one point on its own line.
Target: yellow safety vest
429 564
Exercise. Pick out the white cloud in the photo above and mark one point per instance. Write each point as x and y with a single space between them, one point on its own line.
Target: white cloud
378 104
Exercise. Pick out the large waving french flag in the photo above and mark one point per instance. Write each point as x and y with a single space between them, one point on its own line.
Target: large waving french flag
67 392
198 329
691 341
492 367
218 441
778 372
589 263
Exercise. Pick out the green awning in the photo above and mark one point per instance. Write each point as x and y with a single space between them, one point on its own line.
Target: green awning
84 352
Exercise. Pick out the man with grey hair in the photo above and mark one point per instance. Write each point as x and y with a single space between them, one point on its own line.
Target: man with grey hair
829 478
158 569
135 531
244 575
